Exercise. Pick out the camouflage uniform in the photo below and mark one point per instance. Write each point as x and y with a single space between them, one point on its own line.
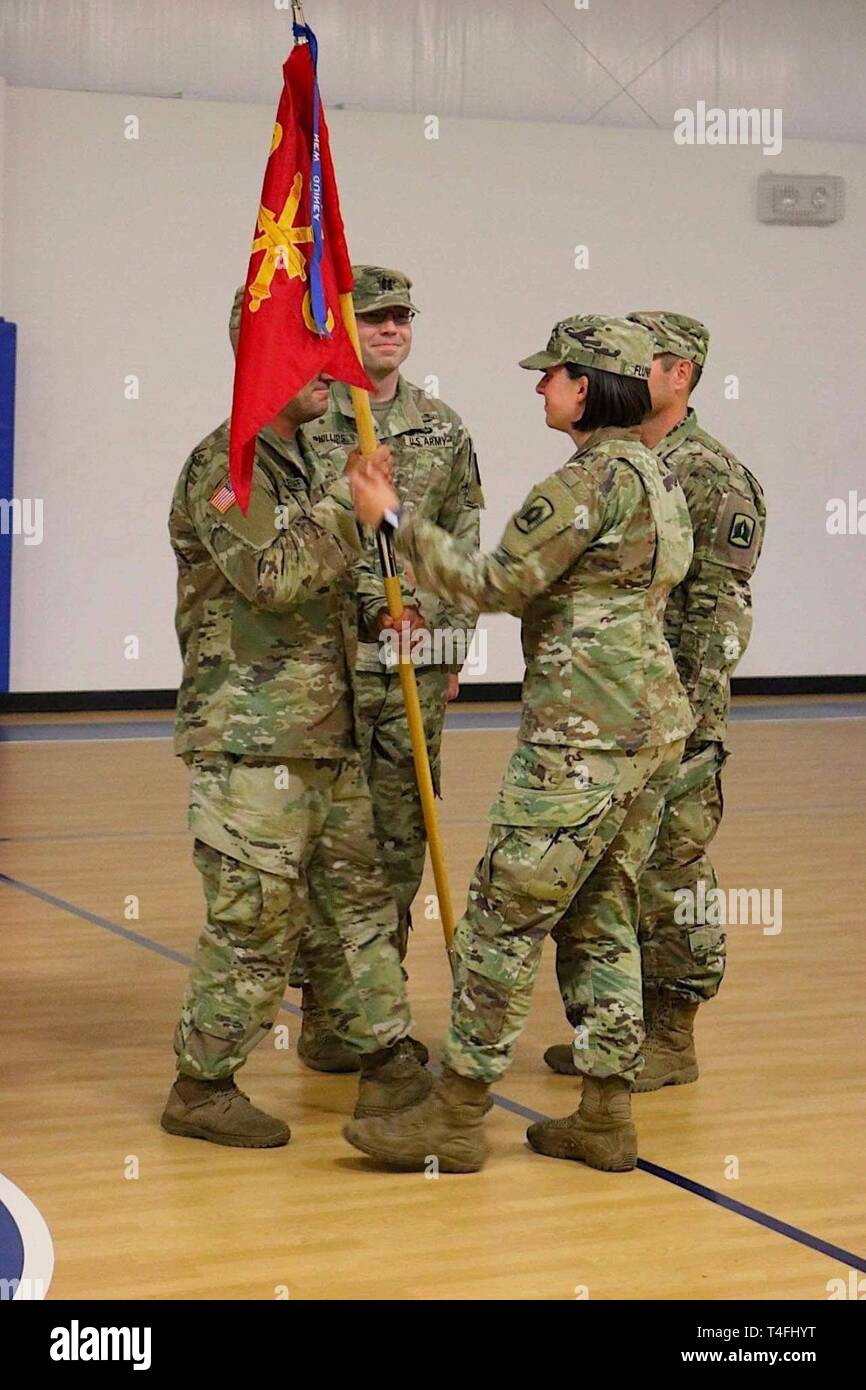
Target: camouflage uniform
435 469
707 623
279 806
587 563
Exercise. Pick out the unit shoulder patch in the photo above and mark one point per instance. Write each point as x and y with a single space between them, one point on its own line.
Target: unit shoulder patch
537 510
736 535
742 530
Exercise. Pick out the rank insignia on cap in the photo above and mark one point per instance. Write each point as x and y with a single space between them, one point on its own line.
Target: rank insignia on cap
742 531
223 498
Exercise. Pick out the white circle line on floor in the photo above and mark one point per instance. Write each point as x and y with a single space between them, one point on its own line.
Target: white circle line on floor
38 1266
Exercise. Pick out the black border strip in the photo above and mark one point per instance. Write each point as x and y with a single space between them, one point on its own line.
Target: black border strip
69 701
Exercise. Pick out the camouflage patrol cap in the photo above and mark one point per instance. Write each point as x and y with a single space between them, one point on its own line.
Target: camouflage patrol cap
593 340
675 333
237 305
376 287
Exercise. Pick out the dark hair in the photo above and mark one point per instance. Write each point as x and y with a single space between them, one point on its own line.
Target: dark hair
670 359
611 399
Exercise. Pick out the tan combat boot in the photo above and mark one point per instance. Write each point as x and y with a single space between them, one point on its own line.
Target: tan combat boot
391 1079
322 1050
446 1127
560 1057
669 1050
318 1047
219 1112
600 1132
651 996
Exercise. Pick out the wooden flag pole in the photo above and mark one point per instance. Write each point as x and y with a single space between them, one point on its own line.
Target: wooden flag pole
368 442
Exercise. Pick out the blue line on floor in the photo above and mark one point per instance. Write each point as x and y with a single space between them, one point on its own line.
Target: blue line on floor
457 719
719 1199
115 928
72 733
841 709
761 1218
137 835
782 1228
740 714
135 937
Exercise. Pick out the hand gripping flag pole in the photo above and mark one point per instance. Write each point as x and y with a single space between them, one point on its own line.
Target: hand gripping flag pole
367 441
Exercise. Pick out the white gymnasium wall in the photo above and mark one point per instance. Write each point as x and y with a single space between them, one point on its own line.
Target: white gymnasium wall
121 257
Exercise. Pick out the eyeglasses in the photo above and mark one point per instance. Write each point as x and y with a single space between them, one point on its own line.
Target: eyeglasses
402 317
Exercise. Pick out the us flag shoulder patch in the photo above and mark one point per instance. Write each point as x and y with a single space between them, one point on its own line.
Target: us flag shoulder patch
223 498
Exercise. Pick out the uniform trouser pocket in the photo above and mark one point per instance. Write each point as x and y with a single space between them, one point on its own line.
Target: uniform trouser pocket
349 947
598 956
258 811
681 957
520 889
692 810
528 882
677 950
240 965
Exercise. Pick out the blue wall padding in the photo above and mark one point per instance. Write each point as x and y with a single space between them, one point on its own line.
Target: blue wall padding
8 333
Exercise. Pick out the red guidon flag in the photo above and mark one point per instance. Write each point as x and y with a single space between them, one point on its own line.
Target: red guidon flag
291 325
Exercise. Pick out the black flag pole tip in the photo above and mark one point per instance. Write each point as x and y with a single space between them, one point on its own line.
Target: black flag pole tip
298 15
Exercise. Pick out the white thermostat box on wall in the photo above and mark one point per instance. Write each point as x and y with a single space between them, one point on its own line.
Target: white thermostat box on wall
814 199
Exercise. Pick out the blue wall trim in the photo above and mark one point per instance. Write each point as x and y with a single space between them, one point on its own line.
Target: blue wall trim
8 335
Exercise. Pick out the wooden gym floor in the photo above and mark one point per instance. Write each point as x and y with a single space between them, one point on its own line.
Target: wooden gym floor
750 1184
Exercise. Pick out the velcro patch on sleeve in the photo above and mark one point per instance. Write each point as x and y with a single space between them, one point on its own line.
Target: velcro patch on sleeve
265 520
534 514
223 498
475 493
550 508
737 533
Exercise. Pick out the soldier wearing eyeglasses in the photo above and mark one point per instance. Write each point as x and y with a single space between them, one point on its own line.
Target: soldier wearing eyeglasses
436 473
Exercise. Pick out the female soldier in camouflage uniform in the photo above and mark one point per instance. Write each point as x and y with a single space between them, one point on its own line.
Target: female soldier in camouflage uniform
708 623
587 563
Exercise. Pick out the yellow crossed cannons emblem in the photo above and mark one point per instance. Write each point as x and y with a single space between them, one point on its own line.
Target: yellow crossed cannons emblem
280 240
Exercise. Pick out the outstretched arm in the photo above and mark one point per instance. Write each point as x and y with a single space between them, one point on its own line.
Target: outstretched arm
550 532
